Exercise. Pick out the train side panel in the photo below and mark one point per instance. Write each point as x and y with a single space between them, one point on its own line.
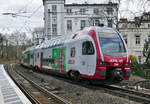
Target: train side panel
53 59
81 58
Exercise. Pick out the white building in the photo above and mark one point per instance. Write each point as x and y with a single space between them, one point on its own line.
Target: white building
62 19
135 33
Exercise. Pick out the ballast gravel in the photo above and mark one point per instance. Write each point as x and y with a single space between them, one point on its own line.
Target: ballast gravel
74 93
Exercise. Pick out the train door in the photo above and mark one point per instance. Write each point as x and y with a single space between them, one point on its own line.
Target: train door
90 57
62 54
35 59
72 63
41 60
32 59
83 59
28 58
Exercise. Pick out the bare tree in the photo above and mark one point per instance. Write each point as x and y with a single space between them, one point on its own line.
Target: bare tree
146 52
19 41
2 38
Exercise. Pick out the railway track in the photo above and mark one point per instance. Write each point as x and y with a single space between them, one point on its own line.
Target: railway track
34 91
114 90
127 93
133 95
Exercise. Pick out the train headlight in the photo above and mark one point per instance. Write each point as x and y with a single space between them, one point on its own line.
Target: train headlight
104 63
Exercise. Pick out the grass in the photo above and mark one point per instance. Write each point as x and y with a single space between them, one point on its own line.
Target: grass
8 61
136 78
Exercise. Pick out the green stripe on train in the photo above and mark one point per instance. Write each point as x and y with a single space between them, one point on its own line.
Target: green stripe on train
56 55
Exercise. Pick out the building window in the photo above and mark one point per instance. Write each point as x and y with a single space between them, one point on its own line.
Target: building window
82 24
109 23
137 39
148 25
97 23
139 58
69 11
110 11
82 11
49 10
54 20
54 29
96 11
54 9
124 25
125 38
69 25
73 51
87 48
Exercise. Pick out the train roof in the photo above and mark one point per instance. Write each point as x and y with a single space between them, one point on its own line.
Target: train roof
101 29
29 49
64 39
52 42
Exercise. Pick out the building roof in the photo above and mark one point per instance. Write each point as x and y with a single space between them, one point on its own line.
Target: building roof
75 4
53 0
86 4
144 18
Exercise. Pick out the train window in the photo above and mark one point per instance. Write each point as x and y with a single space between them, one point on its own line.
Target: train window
31 55
38 55
87 48
52 61
73 52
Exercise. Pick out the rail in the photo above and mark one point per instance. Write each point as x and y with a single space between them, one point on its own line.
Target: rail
33 100
28 95
114 90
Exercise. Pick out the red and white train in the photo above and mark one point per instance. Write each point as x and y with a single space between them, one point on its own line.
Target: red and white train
95 53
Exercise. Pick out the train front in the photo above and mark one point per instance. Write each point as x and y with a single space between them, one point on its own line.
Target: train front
113 60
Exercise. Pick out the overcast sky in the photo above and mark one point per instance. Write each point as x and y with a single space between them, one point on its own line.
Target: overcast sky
34 9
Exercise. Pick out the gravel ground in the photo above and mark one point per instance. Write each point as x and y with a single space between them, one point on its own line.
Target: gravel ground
77 94
131 83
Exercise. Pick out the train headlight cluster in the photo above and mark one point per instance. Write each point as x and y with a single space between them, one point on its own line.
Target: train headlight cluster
104 63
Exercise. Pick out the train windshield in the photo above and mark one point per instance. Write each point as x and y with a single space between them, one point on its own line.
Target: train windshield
111 44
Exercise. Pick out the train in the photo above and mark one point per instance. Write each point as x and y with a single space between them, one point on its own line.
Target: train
94 53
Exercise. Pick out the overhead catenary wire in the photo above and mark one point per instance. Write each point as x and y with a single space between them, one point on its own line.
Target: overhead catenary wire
29 3
35 11
19 14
